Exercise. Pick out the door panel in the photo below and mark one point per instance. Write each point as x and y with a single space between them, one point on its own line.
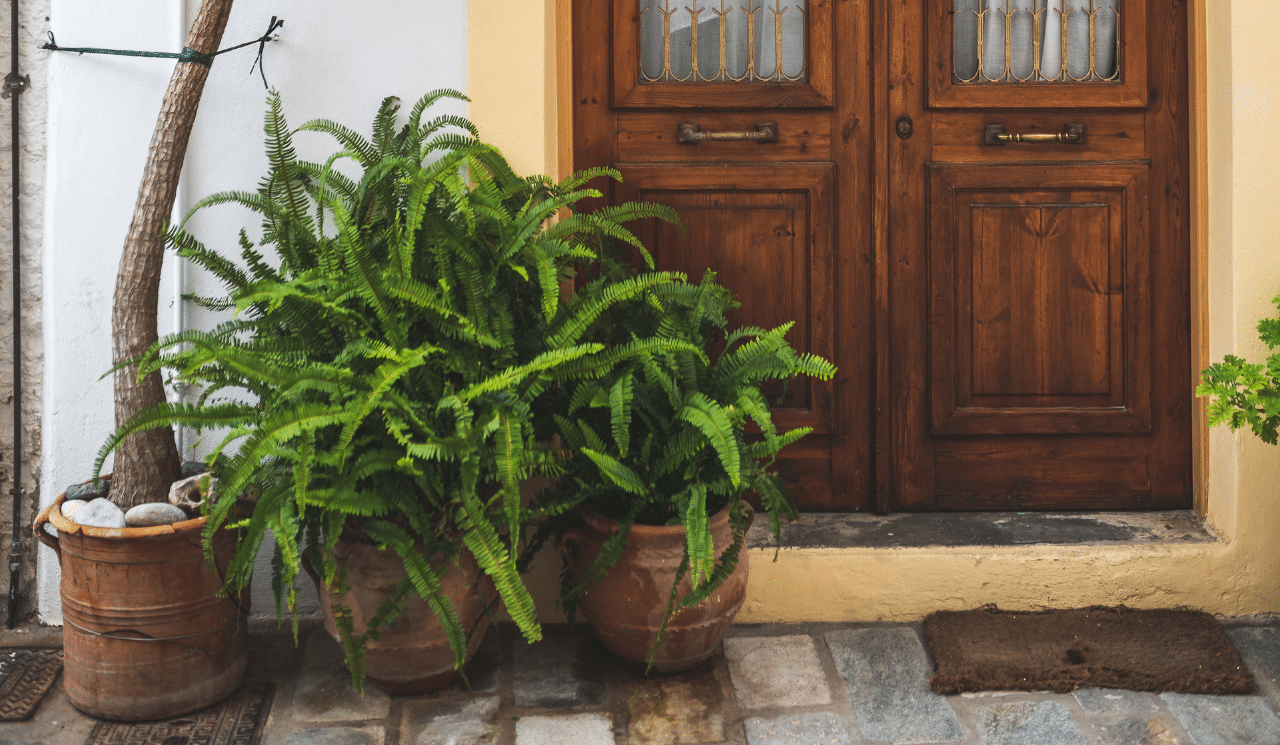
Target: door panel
1039 341
648 136
1040 313
767 234
1027 472
959 136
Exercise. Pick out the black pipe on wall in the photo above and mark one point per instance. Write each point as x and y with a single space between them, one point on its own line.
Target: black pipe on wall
14 85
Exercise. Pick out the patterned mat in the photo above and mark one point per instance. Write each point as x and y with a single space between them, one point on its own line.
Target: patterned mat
236 721
26 676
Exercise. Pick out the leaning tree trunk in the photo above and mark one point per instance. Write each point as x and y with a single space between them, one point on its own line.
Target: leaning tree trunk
148 462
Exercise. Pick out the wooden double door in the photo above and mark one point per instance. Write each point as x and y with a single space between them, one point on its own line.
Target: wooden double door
977 208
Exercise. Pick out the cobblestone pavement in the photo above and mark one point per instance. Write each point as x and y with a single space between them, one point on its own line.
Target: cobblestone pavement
808 684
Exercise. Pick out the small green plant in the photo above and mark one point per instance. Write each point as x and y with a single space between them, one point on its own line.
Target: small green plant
395 349
664 437
1247 394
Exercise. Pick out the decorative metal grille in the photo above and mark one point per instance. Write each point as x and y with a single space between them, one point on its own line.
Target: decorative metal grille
720 41
1036 41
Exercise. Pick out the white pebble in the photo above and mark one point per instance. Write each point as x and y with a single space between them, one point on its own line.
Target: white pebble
153 513
101 513
70 508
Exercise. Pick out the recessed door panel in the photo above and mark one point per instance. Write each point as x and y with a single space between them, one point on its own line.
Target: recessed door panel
767 234
1040 313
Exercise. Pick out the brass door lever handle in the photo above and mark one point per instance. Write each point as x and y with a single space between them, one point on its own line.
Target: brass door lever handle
690 133
1071 134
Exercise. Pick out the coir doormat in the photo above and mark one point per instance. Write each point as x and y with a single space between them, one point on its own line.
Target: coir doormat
26 677
1060 650
236 721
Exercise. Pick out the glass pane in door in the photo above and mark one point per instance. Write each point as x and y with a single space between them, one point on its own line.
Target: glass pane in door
720 41
1036 41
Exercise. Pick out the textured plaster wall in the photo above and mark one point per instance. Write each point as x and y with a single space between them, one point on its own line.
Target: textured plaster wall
1239 575
335 59
32 23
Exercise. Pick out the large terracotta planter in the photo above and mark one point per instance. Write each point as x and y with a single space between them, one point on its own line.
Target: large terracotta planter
145 634
412 654
625 610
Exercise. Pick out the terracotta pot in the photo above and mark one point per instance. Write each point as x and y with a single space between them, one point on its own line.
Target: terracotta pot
145 634
412 655
625 610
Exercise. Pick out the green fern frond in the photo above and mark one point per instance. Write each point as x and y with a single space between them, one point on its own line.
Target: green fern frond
709 417
620 475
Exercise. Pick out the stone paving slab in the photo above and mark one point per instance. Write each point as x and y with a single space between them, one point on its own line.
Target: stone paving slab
563 671
683 710
56 722
886 672
1225 720
1137 731
1113 701
1024 722
467 721
770 671
810 728
324 692
574 729
1260 648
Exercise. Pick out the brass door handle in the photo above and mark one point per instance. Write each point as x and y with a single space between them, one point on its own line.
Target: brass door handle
1071 134
690 133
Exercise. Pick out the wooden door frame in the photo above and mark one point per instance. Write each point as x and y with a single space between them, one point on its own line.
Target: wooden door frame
881 116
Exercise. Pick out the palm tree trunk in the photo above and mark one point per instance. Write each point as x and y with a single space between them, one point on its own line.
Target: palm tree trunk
148 462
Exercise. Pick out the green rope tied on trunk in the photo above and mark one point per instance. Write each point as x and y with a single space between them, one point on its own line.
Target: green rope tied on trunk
186 55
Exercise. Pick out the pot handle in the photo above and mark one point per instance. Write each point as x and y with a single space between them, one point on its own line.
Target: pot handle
38 528
570 542
311 572
751 513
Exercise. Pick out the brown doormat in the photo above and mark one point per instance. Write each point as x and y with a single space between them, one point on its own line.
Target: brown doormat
236 721
26 677
1061 650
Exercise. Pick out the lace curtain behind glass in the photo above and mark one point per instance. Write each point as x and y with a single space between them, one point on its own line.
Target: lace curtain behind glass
692 41
1044 40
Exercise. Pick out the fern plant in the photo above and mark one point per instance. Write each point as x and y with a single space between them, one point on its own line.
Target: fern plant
662 438
395 345
1247 394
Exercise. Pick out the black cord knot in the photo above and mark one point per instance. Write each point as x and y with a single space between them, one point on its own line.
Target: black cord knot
190 55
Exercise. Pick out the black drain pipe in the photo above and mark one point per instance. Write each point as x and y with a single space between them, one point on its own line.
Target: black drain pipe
14 85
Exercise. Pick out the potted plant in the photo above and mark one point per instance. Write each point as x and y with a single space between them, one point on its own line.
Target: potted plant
1247 394
395 350
147 633
666 446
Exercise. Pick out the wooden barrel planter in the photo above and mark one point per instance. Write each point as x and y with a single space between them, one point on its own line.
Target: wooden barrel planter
145 634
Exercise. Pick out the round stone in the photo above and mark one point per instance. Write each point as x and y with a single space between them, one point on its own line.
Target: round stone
87 491
153 513
71 507
101 513
193 468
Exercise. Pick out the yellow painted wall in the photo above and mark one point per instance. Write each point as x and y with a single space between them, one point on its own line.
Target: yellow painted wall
518 101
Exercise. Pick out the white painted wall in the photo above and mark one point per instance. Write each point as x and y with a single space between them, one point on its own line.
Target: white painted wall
335 59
